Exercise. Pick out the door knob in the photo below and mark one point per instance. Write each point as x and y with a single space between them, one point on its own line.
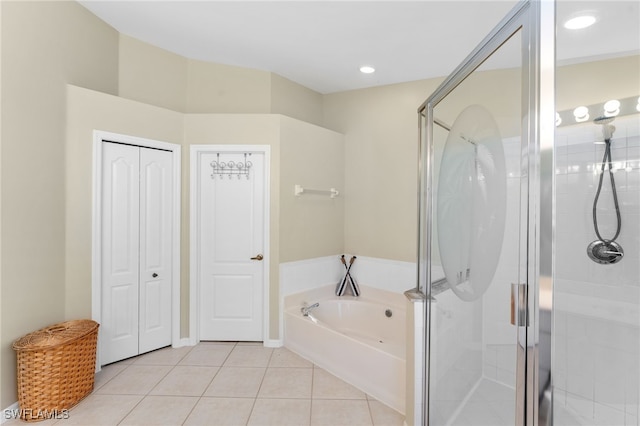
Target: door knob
258 257
154 275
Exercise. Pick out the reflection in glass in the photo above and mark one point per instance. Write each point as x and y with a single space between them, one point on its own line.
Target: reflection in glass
471 202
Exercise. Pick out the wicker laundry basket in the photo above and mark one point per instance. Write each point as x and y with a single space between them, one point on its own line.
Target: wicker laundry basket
56 368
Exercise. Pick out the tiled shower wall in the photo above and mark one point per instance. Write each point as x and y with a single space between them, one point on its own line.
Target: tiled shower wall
597 315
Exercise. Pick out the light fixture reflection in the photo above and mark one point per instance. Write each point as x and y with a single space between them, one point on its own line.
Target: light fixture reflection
581 114
612 108
580 22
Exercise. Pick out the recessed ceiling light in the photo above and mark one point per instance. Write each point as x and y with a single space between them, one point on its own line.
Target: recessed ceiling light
579 22
367 69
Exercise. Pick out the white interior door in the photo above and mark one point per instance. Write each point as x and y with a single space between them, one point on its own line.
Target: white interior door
136 250
230 249
155 249
120 247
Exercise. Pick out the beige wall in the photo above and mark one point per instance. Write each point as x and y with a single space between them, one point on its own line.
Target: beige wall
300 153
158 77
217 88
296 101
319 151
313 157
381 145
597 82
152 75
87 111
44 46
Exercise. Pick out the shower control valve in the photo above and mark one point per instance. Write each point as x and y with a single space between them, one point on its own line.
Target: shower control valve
605 252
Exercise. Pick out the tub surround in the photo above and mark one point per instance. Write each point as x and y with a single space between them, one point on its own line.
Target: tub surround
350 340
385 274
311 280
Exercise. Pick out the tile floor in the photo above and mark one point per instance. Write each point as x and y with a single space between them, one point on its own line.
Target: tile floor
226 384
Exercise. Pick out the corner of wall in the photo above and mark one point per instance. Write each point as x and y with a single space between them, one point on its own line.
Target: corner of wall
294 100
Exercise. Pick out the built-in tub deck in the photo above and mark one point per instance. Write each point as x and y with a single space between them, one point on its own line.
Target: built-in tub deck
358 339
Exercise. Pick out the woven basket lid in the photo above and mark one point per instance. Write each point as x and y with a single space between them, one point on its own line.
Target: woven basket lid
55 335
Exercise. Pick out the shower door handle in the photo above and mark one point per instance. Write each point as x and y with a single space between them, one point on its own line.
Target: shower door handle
519 305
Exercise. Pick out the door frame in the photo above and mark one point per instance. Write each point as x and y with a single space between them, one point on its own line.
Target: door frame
96 237
194 285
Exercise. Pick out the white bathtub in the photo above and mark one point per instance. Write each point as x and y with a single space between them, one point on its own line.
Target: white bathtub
353 338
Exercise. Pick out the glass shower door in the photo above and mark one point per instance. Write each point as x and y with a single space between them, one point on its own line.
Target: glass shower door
475 247
475 239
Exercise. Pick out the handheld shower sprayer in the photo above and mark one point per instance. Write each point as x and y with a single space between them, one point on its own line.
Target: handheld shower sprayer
606 251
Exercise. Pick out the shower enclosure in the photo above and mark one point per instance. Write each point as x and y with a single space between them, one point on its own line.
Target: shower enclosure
522 326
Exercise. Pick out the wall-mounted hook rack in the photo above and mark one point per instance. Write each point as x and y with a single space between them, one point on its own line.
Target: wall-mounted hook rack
299 190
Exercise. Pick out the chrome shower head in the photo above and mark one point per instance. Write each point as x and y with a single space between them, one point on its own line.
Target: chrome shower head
607 127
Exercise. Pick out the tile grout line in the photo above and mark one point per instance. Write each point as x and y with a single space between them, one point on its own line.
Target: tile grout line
205 388
153 387
255 399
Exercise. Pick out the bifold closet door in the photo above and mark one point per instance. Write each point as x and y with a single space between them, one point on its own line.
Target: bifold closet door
155 249
136 250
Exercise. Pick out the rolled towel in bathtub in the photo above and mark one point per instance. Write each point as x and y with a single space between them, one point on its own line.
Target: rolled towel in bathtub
355 290
341 286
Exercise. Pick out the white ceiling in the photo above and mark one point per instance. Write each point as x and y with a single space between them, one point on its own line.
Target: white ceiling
322 44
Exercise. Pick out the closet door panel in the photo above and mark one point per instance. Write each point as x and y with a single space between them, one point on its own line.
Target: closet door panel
120 248
155 248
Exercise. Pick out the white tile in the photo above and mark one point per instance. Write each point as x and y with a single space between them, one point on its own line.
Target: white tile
207 354
383 415
249 356
481 413
236 382
220 412
328 386
161 411
102 410
630 420
581 406
281 412
607 416
107 373
283 357
185 380
135 380
165 356
327 412
286 383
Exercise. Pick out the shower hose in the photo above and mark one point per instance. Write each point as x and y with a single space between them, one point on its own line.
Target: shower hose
607 160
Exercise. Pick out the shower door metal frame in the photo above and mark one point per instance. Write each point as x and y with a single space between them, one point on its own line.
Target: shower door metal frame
536 20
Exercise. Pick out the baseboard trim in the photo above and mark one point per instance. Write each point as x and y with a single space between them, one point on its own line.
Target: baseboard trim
273 343
185 341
